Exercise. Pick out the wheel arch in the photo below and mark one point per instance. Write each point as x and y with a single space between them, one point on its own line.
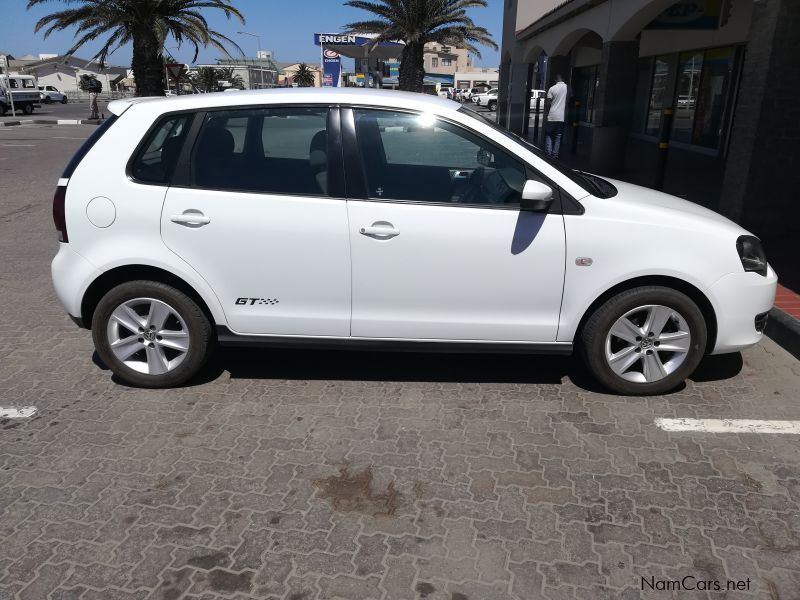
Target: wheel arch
118 275
694 293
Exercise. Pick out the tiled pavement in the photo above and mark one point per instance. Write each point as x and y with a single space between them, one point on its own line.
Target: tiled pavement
302 475
788 301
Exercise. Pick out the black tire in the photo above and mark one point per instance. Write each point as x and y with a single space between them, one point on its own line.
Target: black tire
47 100
64 100
592 339
202 340
3 110
492 105
27 109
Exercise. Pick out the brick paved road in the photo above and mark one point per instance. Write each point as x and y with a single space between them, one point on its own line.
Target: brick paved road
302 475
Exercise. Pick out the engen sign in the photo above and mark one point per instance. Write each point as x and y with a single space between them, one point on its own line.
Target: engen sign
331 68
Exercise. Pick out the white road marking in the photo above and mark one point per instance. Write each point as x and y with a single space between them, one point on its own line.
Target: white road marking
729 425
23 412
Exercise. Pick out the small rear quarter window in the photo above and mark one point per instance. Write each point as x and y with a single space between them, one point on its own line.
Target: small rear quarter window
157 156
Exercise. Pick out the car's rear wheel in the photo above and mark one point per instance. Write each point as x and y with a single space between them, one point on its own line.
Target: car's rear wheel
644 341
492 105
151 334
47 100
28 109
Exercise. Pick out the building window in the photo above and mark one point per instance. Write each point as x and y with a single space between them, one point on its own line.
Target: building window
446 62
696 85
434 62
584 86
661 91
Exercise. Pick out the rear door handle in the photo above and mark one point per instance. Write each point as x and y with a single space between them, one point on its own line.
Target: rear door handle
385 231
191 217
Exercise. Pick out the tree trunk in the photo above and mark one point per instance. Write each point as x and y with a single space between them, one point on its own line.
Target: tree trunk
147 64
412 67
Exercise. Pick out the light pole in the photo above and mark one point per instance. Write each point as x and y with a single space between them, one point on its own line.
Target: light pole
258 56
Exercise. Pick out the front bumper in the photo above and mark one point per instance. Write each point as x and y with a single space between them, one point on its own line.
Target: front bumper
740 299
72 274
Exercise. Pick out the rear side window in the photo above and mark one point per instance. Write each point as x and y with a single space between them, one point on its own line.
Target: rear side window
156 158
87 145
268 150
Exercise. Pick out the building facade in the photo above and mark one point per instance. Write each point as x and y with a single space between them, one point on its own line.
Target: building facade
64 72
724 71
446 60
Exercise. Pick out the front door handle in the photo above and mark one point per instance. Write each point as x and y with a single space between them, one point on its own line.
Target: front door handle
192 218
381 230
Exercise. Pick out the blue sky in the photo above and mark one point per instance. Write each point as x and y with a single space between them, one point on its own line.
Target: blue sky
286 27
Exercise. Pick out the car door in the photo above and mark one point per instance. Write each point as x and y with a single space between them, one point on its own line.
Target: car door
258 217
440 249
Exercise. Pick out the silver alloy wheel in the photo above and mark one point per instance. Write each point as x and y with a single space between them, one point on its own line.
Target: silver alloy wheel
648 343
148 336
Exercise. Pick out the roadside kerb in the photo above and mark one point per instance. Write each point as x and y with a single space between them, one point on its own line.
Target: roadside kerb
50 122
784 329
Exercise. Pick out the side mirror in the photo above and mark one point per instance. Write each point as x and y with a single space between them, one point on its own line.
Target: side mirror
536 197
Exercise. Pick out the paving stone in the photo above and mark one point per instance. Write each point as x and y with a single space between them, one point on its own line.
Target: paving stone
501 485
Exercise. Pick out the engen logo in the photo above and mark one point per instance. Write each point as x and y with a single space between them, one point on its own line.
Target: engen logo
337 39
330 54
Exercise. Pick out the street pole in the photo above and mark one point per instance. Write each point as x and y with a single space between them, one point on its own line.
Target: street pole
8 86
258 56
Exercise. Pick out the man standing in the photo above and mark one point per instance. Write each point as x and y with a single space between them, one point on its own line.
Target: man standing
557 101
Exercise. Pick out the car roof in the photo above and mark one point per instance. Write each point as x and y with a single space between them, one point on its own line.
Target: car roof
324 96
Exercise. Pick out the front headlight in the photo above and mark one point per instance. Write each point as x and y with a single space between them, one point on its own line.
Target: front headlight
752 255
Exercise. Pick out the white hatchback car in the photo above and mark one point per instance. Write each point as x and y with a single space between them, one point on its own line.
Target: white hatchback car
50 93
383 220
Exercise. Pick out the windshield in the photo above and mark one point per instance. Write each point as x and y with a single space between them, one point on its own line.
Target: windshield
594 185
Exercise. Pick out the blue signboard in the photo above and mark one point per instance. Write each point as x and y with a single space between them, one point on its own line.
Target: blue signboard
331 68
693 14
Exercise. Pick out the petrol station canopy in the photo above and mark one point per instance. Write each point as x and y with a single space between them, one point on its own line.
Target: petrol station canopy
358 46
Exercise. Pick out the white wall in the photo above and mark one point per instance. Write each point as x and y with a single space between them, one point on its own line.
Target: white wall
530 11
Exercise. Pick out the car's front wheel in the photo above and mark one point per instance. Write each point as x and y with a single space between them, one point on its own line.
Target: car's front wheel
492 105
644 341
63 99
151 334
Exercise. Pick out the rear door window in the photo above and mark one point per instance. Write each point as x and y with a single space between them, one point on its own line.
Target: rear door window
270 150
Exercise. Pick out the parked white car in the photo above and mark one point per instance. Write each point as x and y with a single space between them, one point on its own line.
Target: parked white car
488 99
542 94
383 220
49 93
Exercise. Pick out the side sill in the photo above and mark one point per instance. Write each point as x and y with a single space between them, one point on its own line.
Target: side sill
227 338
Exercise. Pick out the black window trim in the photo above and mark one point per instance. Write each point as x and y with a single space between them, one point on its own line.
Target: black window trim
563 202
182 176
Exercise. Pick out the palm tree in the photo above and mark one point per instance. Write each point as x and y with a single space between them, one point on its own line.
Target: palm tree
206 79
231 76
304 76
145 23
417 22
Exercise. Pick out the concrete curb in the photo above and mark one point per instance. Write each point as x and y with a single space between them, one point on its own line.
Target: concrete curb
50 122
784 330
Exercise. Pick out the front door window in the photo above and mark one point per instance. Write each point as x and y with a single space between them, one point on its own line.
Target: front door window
419 158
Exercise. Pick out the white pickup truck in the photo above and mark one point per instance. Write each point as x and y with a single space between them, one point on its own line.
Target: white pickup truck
23 89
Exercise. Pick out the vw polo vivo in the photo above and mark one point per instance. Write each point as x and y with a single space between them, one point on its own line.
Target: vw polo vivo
383 220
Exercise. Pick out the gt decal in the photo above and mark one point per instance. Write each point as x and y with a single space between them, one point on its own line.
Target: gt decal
254 301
